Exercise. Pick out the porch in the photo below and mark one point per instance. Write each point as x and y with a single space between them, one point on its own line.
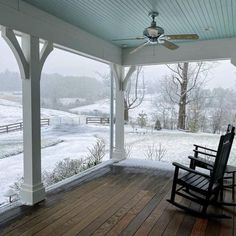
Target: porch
119 200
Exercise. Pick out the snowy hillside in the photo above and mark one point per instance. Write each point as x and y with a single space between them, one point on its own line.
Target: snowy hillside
103 107
11 112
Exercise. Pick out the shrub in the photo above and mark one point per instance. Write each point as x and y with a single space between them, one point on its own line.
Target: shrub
96 153
142 119
155 153
69 167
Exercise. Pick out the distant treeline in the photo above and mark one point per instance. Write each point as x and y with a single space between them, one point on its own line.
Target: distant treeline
57 86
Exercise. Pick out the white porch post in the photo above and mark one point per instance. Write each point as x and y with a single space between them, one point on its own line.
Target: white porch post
30 61
233 60
121 82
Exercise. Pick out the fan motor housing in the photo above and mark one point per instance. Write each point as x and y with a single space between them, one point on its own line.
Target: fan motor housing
158 32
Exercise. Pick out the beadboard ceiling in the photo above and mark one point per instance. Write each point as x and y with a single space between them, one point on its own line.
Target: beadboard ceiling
115 19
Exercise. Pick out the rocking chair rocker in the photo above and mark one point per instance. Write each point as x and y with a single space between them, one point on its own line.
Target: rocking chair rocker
199 187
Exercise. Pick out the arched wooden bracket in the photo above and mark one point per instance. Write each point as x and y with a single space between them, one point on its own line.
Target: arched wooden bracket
21 58
118 72
116 69
131 70
45 51
10 38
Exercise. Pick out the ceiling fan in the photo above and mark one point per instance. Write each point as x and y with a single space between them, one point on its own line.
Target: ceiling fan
155 34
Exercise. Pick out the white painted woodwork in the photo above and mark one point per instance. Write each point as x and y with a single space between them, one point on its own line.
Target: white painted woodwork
25 18
31 60
12 42
120 79
111 113
218 49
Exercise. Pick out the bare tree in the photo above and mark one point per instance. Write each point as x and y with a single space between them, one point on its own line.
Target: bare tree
134 93
180 85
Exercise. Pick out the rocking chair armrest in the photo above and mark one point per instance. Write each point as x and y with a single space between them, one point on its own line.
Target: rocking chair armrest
177 165
204 153
208 149
201 160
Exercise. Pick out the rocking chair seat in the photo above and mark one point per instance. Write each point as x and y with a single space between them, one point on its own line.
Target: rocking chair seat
195 181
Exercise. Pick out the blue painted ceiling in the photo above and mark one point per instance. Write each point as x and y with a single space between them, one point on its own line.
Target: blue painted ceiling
115 19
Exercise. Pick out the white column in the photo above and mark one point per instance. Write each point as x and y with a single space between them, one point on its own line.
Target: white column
30 61
32 190
111 113
119 152
233 61
121 82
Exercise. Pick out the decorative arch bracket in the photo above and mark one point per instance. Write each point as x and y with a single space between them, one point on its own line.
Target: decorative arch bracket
121 80
10 38
20 55
44 53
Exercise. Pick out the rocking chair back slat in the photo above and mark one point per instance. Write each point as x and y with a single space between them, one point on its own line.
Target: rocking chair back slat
222 156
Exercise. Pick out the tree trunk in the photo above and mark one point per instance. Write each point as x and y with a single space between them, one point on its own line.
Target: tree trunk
183 98
126 111
182 115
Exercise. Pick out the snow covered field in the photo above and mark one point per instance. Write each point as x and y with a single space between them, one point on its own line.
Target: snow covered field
69 137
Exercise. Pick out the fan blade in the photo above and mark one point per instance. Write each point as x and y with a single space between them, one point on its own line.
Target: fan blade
169 45
139 47
182 37
137 38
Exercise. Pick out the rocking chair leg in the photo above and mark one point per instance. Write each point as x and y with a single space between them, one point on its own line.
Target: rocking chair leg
174 185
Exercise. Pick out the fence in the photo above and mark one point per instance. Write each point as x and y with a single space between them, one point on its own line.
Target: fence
97 120
19 126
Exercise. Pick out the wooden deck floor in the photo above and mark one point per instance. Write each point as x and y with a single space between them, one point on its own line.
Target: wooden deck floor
122 202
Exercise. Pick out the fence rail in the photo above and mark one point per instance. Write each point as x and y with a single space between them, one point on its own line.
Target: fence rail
97 120
19 126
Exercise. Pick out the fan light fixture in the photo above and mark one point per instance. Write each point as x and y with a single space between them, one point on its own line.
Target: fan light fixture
153 32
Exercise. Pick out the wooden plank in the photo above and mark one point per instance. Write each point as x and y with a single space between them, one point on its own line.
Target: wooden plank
124 192
148 224
71 208
134 218
84 191
67 212
148 188
186 226
199 227
80 211
109 223
120 208
226 226
166 217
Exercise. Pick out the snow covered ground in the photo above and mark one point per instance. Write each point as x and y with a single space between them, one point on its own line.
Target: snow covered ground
69 137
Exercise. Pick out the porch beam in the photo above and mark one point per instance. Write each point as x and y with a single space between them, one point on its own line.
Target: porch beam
202 50
23 17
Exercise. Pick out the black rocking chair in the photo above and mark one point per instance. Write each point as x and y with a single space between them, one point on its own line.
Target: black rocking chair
200 187
204 157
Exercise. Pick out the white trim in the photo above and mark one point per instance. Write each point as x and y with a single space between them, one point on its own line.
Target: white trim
205 50
25 18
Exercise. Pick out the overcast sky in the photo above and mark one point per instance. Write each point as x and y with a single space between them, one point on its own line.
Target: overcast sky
65 63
